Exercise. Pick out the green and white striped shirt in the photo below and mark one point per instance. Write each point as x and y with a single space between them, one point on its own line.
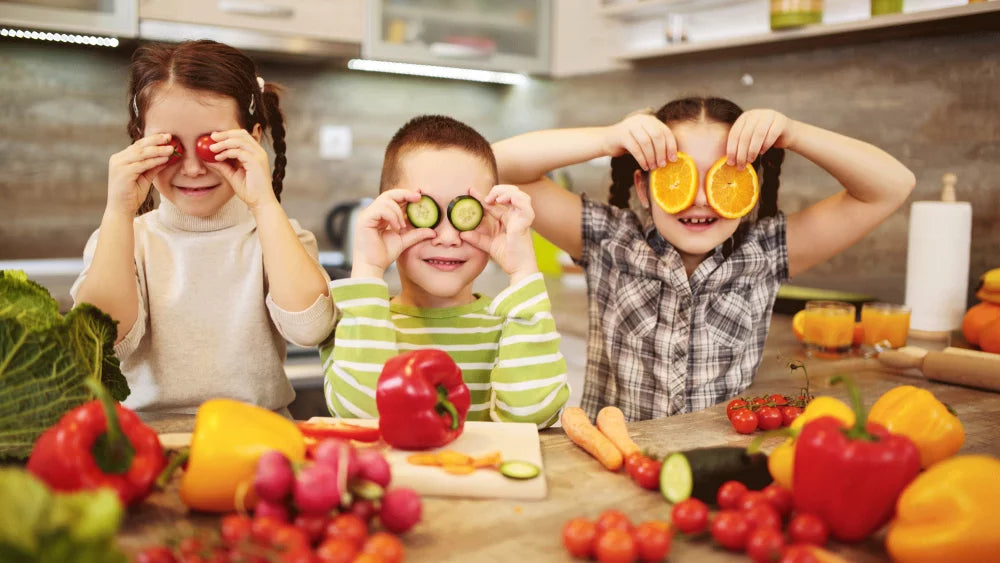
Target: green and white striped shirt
507 348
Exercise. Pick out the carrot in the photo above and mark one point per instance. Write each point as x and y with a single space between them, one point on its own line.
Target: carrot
611 423
584 434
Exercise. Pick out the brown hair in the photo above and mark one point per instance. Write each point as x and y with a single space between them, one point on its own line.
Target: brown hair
207 66
696 109
435 131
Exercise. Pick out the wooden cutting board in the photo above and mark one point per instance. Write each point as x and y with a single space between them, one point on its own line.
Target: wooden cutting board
514 441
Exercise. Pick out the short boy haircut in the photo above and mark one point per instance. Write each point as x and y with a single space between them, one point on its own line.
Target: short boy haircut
438 132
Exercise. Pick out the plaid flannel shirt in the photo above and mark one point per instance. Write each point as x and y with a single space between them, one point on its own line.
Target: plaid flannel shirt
659 343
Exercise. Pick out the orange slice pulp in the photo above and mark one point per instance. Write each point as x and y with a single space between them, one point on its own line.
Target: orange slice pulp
731 192
675 186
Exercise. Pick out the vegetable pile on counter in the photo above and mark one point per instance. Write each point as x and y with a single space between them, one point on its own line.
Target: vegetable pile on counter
46 359
39 525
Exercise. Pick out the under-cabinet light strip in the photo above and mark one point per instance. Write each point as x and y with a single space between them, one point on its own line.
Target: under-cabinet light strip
60 37
439 71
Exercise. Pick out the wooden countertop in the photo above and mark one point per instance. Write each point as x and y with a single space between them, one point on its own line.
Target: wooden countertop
504 530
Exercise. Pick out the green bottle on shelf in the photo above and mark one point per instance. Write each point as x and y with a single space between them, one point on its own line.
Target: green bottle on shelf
795 13
880 7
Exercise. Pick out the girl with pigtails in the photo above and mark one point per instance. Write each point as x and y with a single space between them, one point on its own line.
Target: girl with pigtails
206 286
680 298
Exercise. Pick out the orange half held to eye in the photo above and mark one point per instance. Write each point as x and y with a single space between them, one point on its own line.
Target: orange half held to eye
675 186
731 192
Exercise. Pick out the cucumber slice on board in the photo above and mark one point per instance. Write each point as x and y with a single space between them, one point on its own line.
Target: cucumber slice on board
424 212
519 469
465 213
699 473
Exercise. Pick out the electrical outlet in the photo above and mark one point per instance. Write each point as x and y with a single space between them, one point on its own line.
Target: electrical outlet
335 142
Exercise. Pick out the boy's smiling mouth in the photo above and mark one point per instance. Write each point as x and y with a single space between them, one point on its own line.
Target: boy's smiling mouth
444 264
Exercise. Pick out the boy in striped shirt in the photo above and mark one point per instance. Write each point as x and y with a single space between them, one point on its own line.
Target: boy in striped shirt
507 347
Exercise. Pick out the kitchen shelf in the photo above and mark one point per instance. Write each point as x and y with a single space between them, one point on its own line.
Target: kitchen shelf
971 17
637 9
496 21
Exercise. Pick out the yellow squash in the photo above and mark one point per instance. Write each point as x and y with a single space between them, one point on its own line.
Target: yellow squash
948 513
917 414
780 461
229 437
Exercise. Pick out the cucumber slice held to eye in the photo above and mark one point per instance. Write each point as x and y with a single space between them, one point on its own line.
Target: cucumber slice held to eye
465 213
423 213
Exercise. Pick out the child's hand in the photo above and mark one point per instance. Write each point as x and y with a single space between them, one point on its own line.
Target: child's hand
754 132
643 135
382 233
251 178
131 172
510 244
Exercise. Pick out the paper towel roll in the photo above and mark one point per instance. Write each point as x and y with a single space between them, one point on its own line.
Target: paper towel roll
937 264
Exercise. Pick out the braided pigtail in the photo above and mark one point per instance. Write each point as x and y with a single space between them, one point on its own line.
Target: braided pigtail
622 173
276 121
770 167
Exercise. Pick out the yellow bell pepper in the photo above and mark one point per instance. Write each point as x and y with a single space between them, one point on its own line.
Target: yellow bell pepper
229 437
948 513
781 461
918 415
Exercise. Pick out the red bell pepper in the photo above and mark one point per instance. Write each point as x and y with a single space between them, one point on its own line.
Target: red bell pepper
422 400
99 444
851 476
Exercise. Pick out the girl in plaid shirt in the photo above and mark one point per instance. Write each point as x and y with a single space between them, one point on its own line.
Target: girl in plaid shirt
680 304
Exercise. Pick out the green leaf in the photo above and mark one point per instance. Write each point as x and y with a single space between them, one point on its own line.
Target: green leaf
45 360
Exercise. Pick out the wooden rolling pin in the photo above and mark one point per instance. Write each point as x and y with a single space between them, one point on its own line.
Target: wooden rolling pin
951 365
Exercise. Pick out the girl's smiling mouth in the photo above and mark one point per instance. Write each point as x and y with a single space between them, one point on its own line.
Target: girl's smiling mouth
444 264
697 223
196 191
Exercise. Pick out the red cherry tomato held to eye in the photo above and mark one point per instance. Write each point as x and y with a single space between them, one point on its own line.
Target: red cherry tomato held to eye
647 475
764 545
178 153
744 421
735 406
789 414
730 494
203 150
652 540
616 546
808 529
690 516
730 529
768 418
578 536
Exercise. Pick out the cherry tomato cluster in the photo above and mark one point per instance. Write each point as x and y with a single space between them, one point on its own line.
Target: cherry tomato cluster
764 413
319 511
644 470
311 538
613 538
751 521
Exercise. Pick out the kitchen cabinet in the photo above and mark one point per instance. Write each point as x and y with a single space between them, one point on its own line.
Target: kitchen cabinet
91 17
657 30
311 27
548 37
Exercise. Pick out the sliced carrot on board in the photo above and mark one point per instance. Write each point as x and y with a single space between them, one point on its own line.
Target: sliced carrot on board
424 459
459 469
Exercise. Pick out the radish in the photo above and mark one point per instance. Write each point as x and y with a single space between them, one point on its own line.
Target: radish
373 467
400 510
316 489
329 452
276 510
364 508
274 477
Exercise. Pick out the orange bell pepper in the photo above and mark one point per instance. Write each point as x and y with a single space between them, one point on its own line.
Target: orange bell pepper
948 513
229 437
917 414
781 461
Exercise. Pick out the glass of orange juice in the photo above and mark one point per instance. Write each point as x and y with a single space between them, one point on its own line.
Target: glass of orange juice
886 326
829 328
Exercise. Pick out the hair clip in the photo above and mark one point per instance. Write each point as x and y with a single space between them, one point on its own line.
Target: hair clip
260 82
135 107
253 99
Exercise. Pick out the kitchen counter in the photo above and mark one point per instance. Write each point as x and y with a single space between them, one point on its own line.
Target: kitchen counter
502 530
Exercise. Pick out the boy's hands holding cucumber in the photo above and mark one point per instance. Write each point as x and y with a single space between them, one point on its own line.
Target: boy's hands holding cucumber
509 244
382 233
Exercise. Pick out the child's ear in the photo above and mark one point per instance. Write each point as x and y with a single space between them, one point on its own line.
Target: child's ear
639 181
257 131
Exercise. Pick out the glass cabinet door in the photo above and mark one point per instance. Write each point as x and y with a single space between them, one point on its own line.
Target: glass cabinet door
511 35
